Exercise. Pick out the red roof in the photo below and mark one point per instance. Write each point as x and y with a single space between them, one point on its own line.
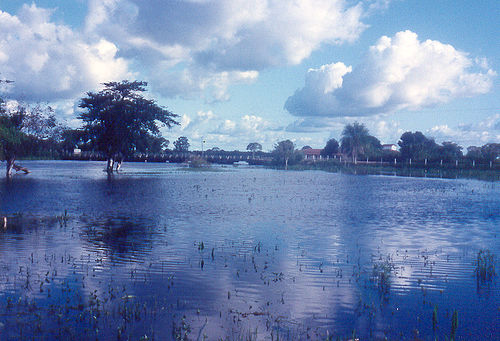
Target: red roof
311 151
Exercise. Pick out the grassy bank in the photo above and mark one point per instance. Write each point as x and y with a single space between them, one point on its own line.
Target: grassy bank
401 170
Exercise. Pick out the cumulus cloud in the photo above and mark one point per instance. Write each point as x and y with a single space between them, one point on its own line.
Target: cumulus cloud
184 48
397 73
479 133
240 34
49 61
315 125
386 130
226 133
226 39
191 82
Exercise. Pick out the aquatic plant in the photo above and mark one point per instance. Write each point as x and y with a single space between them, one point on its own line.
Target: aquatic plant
485 266
198 162
434 318
181 332
454 325
381 275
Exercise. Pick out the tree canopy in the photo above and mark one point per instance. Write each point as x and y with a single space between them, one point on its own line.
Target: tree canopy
254 147
284 153
488 152
331 148
450 151
11 136
181 144
119 120
356 140
416 146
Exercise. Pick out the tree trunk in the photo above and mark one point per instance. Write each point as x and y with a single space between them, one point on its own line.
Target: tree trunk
286 163
119 164
10 165
109 167
19 168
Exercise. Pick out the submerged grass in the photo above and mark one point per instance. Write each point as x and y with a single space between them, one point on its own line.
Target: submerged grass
485 266
400 170
63 309
381 275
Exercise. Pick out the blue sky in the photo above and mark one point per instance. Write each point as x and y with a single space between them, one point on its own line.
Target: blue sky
241 71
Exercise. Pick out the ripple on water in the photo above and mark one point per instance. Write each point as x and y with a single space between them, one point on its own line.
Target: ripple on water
307 249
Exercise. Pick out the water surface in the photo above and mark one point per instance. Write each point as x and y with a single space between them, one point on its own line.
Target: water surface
164 252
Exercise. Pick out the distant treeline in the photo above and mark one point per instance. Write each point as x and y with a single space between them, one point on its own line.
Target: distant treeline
119 124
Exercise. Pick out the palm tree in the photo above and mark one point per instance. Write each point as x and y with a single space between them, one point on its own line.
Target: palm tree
355 137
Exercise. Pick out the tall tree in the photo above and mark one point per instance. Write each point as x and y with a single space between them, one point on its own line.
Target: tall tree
417 146
11 138
491 151
71 139
40 121
449 151
181 144
373 147
331 148
474 152
254 147
284 153
355 139
118 118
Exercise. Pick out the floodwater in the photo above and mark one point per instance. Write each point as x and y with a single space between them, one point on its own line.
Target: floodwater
163 252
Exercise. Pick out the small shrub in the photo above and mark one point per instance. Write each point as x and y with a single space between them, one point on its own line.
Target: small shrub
198 162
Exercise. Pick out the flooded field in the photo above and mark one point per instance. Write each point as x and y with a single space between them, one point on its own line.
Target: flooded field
162 252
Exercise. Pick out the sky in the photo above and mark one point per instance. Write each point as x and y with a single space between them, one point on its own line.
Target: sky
242 71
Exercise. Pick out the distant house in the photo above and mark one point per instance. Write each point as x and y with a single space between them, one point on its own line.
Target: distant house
390 147
312 154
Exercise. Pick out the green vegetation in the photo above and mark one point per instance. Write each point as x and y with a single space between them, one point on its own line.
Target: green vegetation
181 144
485 266
119 121
381 275
27 131
254 147
198 162
284 153
331 148
454 325
356 141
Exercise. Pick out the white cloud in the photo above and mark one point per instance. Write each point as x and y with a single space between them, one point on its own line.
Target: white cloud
397 73
190 82
316 125
226 133
386 131
212 44
377 5
480 133
49 61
